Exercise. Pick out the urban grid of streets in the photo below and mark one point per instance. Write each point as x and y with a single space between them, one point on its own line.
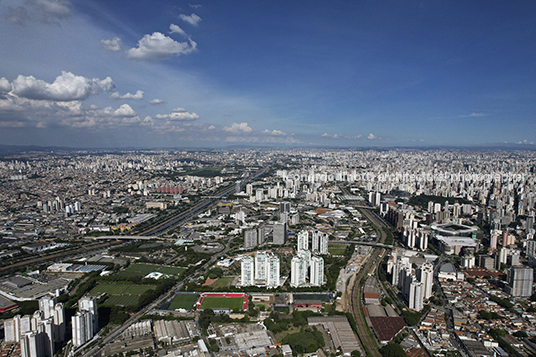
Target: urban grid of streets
418 252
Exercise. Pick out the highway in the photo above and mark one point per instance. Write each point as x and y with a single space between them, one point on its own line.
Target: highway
184 215
114 333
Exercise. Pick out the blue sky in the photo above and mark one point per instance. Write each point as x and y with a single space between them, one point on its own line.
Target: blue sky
257 73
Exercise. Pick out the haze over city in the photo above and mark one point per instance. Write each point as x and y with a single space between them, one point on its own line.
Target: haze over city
213 74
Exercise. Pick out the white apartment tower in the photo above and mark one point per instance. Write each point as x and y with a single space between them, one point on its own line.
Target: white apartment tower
416 297
247 271
303 241
319 242
425 274
317 271
272 271
298 271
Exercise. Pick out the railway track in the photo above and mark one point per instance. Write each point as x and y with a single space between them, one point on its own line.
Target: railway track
367 340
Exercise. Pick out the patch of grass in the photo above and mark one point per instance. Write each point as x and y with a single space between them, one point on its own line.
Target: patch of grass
122 300
222 282
141 270
213 302
336 249
112 289
183 301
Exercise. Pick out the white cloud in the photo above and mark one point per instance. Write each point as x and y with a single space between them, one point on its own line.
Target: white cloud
274 132
159 47
178 114
125 110
195 6
112 44
193 19
474 115
176 29
237 128
5 86
371 136
46 11
147 121
138 95
66 87
156 101
211 127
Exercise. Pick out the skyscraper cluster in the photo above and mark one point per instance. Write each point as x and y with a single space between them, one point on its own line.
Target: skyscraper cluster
85 322
414 283
262 269
38 333
306 268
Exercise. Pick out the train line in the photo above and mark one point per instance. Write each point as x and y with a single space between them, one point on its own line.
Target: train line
173 221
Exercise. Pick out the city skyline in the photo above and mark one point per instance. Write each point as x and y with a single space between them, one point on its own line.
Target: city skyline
207 74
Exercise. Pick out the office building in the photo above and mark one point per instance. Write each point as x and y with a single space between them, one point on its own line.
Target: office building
250 238
280 233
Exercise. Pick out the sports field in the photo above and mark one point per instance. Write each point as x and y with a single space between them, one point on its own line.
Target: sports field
183 301
229 301
337 249
121 294
142 270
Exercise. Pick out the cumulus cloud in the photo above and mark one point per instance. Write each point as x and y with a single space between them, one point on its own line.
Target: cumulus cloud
125 110
193 19
45 11
274 132
238 128
160 47
5 86
112 44
66 87
176 29
138 95
371 136
156 101
178 114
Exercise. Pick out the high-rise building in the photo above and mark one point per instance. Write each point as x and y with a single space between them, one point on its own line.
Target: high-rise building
247 271
82 324
260 268
280 233
59 322
250 238
319 242
531 248
272 271
520 281
303 240
416 297
425 274
298 271
90 304
317 271
261 236
284 207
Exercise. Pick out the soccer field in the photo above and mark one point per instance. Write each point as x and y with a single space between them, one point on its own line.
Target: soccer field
214 302
121 294
142 270
183 301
